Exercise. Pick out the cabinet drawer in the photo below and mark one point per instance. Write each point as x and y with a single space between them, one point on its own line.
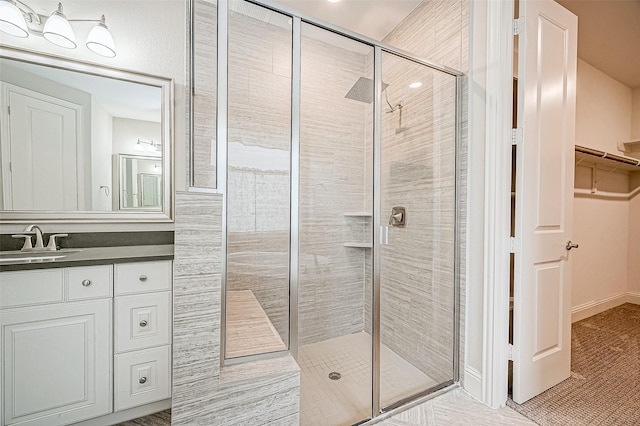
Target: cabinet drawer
31 287
142 377
143 277
89 282
143 321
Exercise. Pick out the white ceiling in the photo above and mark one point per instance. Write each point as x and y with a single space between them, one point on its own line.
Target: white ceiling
372 18
609 36
608 30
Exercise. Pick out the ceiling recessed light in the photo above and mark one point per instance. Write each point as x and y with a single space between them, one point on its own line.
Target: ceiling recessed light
415 85
333 1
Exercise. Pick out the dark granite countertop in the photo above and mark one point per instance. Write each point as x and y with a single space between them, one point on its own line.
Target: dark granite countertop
95 256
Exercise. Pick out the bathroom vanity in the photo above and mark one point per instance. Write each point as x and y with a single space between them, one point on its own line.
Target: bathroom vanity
86 336
86 147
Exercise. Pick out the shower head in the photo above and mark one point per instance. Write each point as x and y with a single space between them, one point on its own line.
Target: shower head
362 91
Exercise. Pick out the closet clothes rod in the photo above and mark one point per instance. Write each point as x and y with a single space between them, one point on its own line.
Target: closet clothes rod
607 156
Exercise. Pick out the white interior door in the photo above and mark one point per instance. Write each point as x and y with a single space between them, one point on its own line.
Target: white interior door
546 113
42 153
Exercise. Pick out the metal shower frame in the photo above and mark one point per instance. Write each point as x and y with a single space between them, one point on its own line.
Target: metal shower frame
221 183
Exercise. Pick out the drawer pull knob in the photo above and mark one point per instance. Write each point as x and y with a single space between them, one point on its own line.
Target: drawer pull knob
142 380
143 323
143 278
86 283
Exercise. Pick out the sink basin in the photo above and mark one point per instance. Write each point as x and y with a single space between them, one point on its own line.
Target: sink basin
34 256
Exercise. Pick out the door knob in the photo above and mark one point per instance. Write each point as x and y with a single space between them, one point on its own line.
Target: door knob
571 245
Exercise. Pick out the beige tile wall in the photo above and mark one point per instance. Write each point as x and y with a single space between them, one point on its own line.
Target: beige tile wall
418 165
263 392
204 93
332 176
258 212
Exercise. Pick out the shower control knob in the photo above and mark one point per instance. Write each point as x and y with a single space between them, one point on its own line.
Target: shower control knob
571 245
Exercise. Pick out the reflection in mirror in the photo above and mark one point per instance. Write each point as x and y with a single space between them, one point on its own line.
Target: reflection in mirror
63 121
139 182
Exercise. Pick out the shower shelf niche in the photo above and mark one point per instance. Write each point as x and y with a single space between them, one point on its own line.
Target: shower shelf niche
356 244
360 222
358 214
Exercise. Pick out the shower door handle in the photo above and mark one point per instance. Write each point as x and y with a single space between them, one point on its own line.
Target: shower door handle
384 235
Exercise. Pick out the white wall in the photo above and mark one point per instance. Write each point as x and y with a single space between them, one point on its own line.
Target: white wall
633 283
600 264
126 133
101 135
603 109
635 114
603 265
150 37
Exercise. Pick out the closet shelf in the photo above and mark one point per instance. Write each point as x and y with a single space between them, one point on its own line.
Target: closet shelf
630 147
590 156
588 193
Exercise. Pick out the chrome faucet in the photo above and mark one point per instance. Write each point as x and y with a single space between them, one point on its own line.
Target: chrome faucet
35 229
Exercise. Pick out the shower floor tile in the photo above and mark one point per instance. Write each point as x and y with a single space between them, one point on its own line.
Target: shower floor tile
347 401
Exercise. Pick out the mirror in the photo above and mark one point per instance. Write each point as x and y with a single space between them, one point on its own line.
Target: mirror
61 124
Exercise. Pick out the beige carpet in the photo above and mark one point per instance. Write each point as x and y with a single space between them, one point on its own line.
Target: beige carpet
604 387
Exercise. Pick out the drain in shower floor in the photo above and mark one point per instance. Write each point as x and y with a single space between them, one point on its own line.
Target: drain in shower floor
334 375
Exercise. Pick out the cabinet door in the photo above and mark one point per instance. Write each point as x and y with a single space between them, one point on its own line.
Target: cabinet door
57 363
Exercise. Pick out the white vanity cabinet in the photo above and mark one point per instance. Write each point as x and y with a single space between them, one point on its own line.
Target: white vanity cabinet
142 333
56 352
84 342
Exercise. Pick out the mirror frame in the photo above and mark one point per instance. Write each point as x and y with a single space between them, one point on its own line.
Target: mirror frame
166 85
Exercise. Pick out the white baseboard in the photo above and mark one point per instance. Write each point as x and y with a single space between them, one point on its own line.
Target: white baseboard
594 307
472 382
633 297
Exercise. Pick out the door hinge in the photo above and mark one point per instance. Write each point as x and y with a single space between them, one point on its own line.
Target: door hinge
9 109
518 26
517 136
515 245
512 352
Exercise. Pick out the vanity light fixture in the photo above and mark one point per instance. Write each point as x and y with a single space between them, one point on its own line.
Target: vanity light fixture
149 146
100 40
20 20
58 30
11 19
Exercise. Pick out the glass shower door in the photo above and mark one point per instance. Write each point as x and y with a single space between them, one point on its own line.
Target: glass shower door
417 216
335 219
